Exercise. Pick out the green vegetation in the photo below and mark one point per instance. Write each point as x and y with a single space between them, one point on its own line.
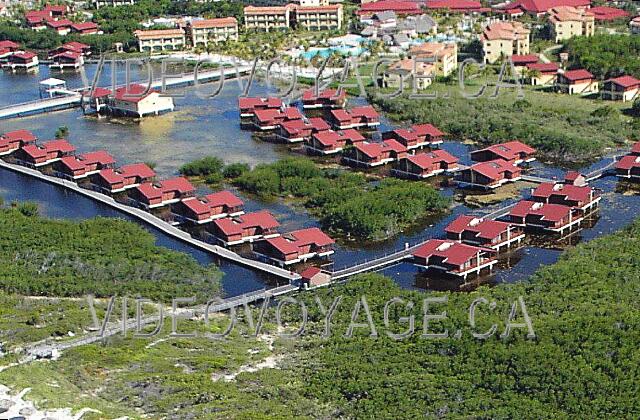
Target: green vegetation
62 132
562 127
346 202
102 256
606 55
583 362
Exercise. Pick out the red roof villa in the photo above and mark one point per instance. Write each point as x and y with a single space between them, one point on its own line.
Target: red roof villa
248 106
61 26
126 177
295 247
367 10
81 166
328 98
629 166
541 7
576 82
7 48
21 60
270 119
550 217
67 59
416 136
362 116
513 152
77 47
244 228
210 207
85 28
583 198
295 131
461 6
41 155
485 233
152 195
489 175
424 165
330 142
623 88
11 141
454 258
543 73
374 154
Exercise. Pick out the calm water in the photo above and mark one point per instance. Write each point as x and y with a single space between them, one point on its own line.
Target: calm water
210 127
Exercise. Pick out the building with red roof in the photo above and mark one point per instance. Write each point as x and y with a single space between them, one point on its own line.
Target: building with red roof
400 8
542 74
313 277
416 136
635 149
606 13
249 105
548 217
248 227
541 7
629 167
21 60
295 247
85 28
81 166
368 155
489 175
583 198
566 22
576 82
330 142
56 10
270 119
298 130
425 165
521 60
462 6
623 88
514 152
504 39
151 195
45 154
358 117
61 26
67 60
214 206
485 233
575 178
454 258
77 47
138 101
120 179
37 19
327 98
11 141
7 48
217 30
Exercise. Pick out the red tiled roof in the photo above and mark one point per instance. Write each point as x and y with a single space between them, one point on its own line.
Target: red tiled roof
628 162
59 23
605 13
399 7
366 111
542 6
59 145
319 124
550 212
510 150
351 134
98 92
625 81
69 54
394 145
84 26
426 160
133 93
571 192
331 94
486 229
291 242
571 176
140 170
452 252
8 45
524 59
372 150
251 102
35 151
340 115
310 272
214 23
327 138
575 75
235 225
494 169
155 190
25 136
427 130
469 5
223 198
27 55
60 8
543 67
636 148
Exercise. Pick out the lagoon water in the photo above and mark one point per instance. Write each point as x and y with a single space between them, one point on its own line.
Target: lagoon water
202 127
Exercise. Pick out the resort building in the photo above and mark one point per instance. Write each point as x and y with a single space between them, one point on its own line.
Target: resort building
7 48
579 82
270 119
327 98
113 181
358 117
210 207
416 136
369 155
443 56
112 3
409 73
623 88
566 22
136 101
330 142
454 258
152 195
400 8
82 166
425 165
314 277
457 6
514 152
62 26
319 18
267 18
37 19
629 167
40 155
26 60
485 233
504 39
248 106
248 227
218 30
542 74
539 8
608 14
489 175
158 40
634 25
11 141
298 130
85 28
583 198
77 47
295 247
67 60
549 217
